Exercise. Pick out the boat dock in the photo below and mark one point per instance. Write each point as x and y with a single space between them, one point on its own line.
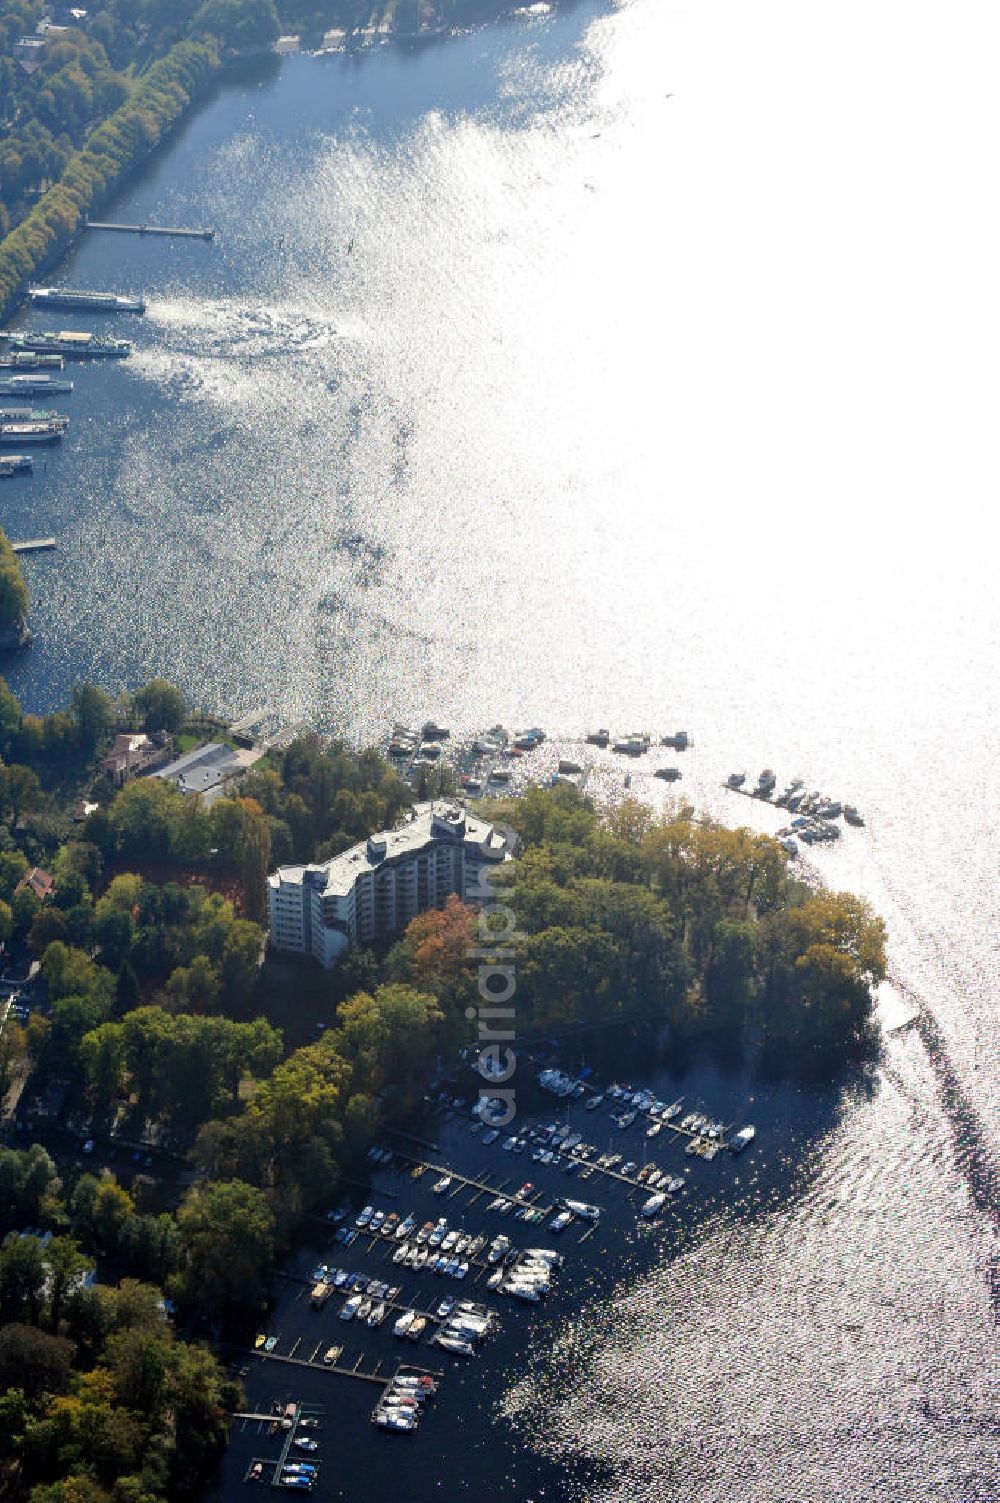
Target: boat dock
383 1379
399 1306
34 545
195 233
342 1372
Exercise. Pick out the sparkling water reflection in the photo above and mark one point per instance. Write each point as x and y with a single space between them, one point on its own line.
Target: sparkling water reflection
619 367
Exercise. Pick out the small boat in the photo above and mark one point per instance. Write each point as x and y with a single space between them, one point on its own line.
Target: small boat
693 1147
654 1205
673 1110
530 1293
654 1130
401 1253
851 815
676 1185
395 1419
599 738
417 1328
443 1184
632 746
377 1314
456 1344
736 779
270 1343
742 1139
331 1354
260 1339
350 1307
668 774
593 1103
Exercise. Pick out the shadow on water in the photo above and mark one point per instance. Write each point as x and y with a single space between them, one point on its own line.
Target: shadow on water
470 1444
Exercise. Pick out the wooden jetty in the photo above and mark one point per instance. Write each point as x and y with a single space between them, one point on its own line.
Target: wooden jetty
316 1367
195 233
481 1187
344 1372
34 545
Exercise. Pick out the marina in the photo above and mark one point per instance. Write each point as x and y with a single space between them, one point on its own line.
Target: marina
501 763
367 1247
814 814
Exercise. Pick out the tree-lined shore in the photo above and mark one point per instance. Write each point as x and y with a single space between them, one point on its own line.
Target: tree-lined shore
102 94
250 1088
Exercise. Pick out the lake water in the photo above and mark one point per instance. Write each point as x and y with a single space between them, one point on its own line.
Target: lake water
619 366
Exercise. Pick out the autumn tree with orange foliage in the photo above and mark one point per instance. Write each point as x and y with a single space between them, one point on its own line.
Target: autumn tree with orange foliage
436 954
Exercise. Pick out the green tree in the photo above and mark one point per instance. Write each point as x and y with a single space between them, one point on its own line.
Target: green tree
20 791
239 24
227 1246
161 705
94 715
34 1361
10 717
22 1279
255 867
241 958
13 591
67 1269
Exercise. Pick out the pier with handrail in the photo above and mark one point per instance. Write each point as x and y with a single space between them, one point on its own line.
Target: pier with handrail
194 233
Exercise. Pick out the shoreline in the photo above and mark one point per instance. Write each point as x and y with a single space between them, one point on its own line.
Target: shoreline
227 66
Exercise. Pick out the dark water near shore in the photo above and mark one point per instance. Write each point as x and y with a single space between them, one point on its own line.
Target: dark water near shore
617 367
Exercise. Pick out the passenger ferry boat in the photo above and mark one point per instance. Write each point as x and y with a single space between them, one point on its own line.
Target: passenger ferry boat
34 386
31 433
28 362
97 302
74 344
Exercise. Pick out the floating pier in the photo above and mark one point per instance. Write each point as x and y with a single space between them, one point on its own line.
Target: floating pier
34 545
382 1379
195 233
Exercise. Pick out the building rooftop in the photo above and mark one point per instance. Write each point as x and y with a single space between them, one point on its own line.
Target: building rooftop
39 881
208 767
439 820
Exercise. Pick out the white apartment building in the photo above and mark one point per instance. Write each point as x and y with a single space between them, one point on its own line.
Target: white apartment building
376 888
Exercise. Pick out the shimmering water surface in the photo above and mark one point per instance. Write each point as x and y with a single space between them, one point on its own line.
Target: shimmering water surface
629 367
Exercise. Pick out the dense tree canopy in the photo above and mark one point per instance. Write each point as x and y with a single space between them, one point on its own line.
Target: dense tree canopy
13 591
